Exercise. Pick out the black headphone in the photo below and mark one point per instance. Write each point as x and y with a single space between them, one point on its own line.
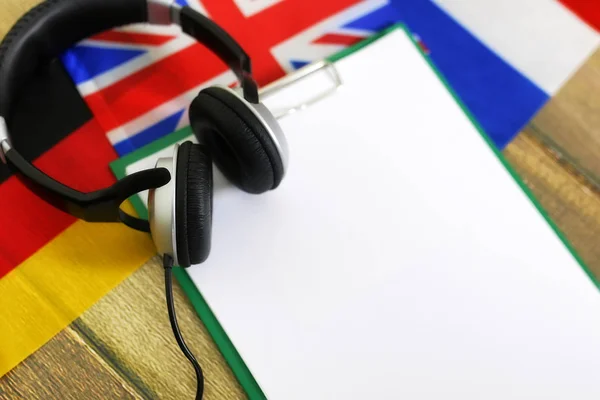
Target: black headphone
233 129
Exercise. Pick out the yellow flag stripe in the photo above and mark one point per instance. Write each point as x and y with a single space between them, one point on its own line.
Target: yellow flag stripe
58 283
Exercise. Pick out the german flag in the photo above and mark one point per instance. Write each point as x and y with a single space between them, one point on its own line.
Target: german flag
52 267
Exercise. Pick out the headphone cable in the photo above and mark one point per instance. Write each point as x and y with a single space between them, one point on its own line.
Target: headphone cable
168 264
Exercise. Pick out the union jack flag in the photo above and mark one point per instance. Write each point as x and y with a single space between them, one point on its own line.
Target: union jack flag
139 80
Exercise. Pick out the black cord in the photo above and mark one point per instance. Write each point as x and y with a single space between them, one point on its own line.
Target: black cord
168 264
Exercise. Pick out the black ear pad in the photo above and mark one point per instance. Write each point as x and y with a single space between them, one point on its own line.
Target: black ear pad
240 145
193 204
48 29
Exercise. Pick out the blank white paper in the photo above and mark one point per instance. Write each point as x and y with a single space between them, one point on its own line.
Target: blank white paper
398 259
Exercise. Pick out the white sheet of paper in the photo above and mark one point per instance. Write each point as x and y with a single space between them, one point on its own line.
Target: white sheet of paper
398 259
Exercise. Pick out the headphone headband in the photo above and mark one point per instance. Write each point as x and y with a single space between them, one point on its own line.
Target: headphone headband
49 29
205 31
221 43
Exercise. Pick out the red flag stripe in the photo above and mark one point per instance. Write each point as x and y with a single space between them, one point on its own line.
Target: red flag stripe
132 38
297 14
152 86
80 161
160 82
338 39
258 34
587 10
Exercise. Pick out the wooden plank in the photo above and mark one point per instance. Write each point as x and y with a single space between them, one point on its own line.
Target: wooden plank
130 326
571 202
11 11
570 121
565 136
65 368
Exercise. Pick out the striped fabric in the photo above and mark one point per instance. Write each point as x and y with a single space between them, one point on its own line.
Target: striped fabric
122 89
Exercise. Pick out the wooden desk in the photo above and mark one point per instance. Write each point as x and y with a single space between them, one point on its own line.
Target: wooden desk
123 348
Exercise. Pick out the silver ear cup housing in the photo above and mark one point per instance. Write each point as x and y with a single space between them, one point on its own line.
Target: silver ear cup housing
161 210
163 12
268 120
4 142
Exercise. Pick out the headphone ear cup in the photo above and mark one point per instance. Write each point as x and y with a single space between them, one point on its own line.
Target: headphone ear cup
193 204
240 144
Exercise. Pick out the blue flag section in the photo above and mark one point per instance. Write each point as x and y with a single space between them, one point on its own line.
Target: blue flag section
501 99
97 60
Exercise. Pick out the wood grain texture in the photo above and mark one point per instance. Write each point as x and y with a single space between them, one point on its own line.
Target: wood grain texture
130 327
11 11
65 368
570 121
570 201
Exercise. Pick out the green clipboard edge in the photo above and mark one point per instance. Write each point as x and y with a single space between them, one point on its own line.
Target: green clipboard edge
211 322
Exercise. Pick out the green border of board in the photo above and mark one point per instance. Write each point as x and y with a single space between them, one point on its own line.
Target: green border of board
211 322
